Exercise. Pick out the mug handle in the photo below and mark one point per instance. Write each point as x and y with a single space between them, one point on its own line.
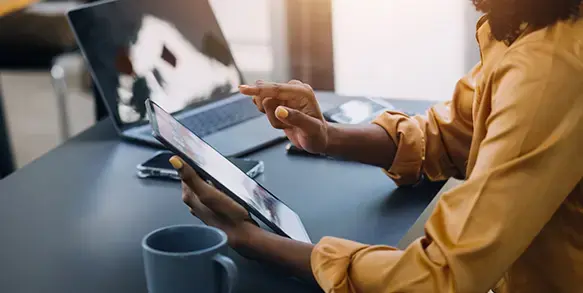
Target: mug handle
231 270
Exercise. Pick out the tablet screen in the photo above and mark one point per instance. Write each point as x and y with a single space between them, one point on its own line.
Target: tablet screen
231 177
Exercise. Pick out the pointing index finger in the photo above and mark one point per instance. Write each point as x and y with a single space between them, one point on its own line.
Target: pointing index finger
282 91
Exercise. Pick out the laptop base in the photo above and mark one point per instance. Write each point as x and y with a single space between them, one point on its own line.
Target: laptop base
235 141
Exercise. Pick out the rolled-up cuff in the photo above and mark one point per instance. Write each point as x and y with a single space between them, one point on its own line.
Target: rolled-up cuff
407 135
330 261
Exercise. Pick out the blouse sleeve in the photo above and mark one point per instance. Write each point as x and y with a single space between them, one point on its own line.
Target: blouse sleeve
435 144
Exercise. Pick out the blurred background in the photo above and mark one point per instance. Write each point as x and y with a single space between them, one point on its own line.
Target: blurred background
378 48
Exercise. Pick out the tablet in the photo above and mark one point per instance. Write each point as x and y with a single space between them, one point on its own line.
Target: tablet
212 166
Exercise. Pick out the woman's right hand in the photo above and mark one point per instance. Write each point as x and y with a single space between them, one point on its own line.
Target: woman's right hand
292 107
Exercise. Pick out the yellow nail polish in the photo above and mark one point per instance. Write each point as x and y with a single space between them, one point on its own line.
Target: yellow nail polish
176 163
281 112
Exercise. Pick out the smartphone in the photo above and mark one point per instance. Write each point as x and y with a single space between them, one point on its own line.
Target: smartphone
159 167
293 150
224 175
358 111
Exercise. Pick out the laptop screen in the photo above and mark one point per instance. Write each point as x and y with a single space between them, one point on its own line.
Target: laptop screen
170 51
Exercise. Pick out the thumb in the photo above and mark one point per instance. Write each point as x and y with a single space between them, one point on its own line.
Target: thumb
189 176
209 196
296 118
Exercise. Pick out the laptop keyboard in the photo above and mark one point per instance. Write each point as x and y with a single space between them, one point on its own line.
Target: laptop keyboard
219 118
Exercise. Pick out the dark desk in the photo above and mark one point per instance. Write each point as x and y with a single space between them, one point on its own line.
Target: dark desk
72 221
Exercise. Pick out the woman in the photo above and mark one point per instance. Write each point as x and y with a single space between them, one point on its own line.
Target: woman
513 130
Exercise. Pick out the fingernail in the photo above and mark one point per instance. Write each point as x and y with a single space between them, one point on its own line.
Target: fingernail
176 163
244 87
281 112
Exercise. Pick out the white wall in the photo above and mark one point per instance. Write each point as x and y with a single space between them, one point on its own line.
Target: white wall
255 30
472 51
396 48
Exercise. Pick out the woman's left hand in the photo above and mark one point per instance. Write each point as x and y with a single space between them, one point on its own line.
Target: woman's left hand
218 210
213 207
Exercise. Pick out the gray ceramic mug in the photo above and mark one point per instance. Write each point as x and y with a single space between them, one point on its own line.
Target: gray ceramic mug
188 259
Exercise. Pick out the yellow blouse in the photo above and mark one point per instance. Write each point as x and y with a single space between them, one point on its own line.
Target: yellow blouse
514 131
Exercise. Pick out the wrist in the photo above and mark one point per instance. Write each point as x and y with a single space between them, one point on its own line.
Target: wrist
331 134
250 232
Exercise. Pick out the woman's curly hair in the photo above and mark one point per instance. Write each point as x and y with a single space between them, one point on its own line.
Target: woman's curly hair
507 16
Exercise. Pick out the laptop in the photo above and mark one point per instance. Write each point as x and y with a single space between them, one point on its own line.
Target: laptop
173 52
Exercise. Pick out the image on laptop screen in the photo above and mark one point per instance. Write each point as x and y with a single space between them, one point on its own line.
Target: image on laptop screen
170 51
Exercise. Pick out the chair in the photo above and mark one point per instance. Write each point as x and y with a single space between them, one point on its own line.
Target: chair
62 75
32 38
6 160
29 40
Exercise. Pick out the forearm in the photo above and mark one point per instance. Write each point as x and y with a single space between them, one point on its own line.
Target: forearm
271 248
368 144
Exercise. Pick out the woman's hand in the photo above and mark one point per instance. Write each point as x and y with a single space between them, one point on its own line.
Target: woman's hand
292 107
213 207
218 210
